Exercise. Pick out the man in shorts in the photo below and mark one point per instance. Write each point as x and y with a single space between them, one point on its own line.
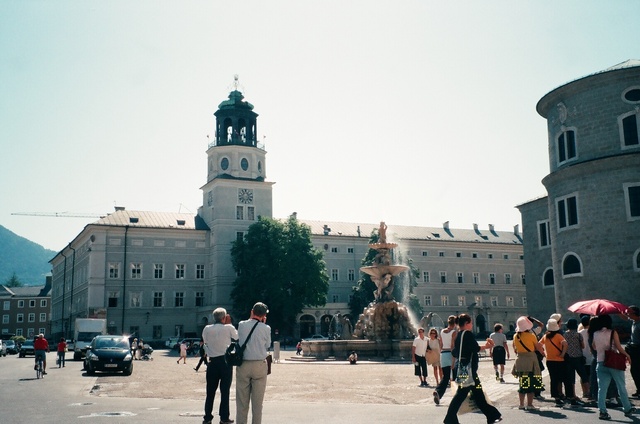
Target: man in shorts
500 351
41 346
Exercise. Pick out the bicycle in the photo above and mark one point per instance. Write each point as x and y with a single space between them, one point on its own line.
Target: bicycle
39 369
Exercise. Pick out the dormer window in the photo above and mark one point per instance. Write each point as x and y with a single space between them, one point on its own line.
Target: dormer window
133 220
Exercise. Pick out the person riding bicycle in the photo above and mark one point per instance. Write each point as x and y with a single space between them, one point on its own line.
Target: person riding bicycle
41 346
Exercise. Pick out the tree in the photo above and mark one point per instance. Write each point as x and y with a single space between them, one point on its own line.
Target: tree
277 264
402 289
13 281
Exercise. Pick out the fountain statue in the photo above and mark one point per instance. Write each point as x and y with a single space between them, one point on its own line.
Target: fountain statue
384 328
384 318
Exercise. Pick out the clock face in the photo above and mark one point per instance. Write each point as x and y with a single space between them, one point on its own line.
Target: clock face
245 195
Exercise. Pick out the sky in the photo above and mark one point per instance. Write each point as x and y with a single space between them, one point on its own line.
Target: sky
413 112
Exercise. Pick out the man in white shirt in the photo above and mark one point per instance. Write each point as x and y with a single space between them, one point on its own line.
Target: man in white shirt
217 337
251 376
419 352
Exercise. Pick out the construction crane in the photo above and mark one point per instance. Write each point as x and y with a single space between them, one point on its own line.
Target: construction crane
60 214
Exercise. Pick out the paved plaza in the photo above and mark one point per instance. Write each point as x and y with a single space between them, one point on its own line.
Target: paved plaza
331 391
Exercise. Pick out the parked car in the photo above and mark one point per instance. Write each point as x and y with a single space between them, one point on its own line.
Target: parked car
27 349
171 342
109 354
70 345
189 341
317 337
12 348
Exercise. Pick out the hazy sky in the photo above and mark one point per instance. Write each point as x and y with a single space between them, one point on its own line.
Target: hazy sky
412 112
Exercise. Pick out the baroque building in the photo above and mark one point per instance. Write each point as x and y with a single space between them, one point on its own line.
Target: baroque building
582 240
159 275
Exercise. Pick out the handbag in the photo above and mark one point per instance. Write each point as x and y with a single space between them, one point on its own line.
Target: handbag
235 351
613 358
269 361
464 375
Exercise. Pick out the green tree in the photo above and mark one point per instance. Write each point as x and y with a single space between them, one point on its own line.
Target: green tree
13 281
402 289
277 264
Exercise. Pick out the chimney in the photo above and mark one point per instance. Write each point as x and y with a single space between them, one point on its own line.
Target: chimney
119 208
445 225
491 228
516 229
475 227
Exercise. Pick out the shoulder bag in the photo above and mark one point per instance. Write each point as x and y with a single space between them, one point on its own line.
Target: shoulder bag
613 358
235 352
464 375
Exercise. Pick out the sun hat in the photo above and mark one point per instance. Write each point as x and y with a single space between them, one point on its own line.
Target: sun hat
523 324
552 325
556 317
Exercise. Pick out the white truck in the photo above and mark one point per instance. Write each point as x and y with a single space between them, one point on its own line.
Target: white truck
85 330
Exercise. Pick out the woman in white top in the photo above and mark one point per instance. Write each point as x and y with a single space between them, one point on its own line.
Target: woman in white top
448 339
603 340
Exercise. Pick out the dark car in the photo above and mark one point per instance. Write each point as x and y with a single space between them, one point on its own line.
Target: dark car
12 348
27 349
109 354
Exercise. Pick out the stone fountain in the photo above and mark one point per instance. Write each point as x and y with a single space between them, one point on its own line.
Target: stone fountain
384 328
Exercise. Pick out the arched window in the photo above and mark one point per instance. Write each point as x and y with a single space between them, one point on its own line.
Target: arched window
571 265
547 278
636 261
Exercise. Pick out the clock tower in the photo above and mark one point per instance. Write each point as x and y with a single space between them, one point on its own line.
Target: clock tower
236 192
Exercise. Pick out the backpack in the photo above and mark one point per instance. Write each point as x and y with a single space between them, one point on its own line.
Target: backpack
233 356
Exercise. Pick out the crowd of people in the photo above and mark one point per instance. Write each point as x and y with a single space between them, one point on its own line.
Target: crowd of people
579 347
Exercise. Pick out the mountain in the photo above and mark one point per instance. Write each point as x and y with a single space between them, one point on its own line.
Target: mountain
28 260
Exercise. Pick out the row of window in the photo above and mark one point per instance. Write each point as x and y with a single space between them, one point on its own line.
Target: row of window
567 145
157 299
135 269
426 277
441 253
246 211
462 301
567 212
30 332
20 318
6 305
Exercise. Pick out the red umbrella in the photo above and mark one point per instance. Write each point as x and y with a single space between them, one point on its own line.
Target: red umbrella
598 307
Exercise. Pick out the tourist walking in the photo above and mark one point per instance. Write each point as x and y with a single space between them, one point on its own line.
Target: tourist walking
633 347
607 339
500 351
588 358
134 348
251 376
418 355
468 353
527 366
62 349
448 338
215 339
434 347
203 355
183 353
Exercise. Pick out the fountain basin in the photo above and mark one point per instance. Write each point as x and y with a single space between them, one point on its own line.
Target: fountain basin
399 350
381 270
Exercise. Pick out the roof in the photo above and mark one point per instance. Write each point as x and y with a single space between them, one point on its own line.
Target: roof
24 291
402 232
147 219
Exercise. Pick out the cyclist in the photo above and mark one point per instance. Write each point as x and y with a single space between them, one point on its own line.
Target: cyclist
41 347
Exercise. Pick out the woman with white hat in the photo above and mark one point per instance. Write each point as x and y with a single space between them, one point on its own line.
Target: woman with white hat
527 367
555 347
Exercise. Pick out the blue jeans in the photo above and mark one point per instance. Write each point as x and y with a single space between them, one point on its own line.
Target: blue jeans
605 375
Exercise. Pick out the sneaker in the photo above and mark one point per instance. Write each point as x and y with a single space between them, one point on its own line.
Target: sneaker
436 398
604 416
501 380
630 412
227 421
559 402
522 407
44 373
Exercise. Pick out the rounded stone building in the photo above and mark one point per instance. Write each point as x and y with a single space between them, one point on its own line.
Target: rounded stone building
588 244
